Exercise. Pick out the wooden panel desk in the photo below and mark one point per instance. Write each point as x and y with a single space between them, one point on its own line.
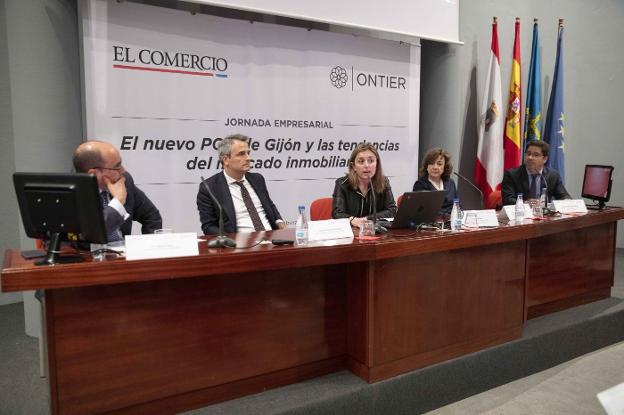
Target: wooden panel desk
166 335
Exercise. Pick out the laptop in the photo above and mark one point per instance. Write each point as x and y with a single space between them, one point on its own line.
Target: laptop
417 208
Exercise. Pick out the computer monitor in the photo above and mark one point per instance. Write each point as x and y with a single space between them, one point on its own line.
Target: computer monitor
597 183
54 205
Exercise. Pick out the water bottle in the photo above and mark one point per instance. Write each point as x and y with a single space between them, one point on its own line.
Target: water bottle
301 229
456 216
519 210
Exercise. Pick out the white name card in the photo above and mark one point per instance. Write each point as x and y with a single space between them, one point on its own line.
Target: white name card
163 245
510 211
612 400
485 218
570 206
322 230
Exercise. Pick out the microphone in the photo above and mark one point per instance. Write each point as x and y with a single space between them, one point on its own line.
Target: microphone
221 240
465 179
543 180
547 211
378 228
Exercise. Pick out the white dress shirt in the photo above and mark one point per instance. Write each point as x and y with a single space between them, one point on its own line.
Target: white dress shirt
243 220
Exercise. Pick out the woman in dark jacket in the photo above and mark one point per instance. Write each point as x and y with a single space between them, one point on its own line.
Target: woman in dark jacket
435 174
352 197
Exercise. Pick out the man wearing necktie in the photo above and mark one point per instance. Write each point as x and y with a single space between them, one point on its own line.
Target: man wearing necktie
531 177
243 195
122 201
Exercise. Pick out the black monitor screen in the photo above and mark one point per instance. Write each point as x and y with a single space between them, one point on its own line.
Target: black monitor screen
597 182
54 205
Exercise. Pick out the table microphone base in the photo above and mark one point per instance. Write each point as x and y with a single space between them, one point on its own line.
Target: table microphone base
221 241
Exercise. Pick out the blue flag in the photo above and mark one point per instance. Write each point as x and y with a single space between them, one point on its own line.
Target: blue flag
533 109
554 129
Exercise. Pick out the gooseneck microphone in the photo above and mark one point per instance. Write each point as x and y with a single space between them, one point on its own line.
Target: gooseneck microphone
544 186
465 179
221 240
546 209
378 228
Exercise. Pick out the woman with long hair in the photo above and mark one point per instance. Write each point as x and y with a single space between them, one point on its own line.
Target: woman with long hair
352 196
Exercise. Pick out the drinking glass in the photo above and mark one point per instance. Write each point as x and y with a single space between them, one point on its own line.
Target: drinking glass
367 228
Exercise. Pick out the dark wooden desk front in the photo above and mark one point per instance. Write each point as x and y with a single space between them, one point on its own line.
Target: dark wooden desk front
160 336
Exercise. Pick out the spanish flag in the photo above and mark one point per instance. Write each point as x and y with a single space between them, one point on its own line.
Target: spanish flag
513 124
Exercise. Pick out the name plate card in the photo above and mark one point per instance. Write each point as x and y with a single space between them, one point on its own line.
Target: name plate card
322 230
163 245
510 211
485 218
573 206
612 400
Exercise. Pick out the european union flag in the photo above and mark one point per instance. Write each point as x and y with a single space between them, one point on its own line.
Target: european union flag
533 111
554 129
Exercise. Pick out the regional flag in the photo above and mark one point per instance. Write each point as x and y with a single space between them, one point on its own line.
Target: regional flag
553 130
489 166
513 121
533 109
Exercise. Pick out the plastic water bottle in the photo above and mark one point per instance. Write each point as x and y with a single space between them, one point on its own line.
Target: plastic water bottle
519 210
301 229
543 202
456 216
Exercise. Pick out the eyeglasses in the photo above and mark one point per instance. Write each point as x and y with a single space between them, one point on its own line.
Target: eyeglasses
120 168
534 155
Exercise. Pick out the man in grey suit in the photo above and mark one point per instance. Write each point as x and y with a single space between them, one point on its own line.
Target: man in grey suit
243 195
123 202
532 176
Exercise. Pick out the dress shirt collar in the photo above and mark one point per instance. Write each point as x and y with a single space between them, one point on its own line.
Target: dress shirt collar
529 173
231 180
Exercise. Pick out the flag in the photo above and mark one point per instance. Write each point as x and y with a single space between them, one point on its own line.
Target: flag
513 121
489 166
533 109
553 130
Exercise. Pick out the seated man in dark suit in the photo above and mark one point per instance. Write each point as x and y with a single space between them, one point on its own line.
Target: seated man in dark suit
123 202
532 176
243 196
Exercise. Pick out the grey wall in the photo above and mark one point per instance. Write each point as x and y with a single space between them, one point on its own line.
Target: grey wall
9 233
453 77
40 107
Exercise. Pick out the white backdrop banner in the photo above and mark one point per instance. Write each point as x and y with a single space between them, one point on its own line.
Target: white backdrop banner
165 86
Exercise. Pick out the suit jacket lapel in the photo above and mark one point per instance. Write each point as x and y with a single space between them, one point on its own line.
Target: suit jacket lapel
546 174
524 182
225 197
